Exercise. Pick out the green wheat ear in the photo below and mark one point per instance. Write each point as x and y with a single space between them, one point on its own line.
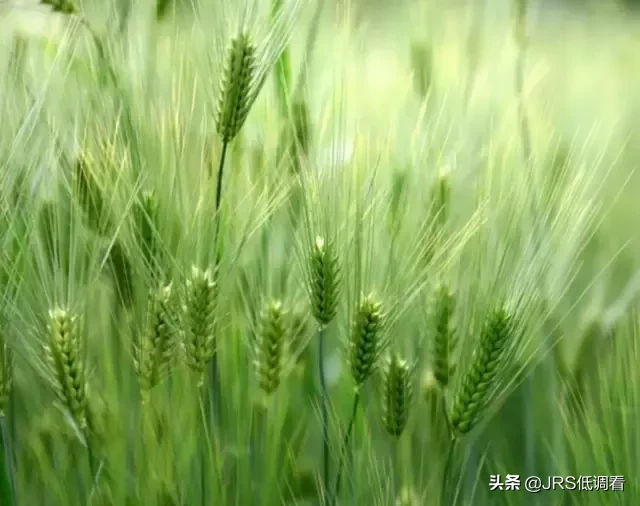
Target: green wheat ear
476 386
366 340
6 373
270 347
325 280
444 339
154 352
64 353
199 313
397 395
236 85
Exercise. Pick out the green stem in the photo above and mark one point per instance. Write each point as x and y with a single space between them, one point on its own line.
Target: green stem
267 457
445 414
209 446
323 407
6 444
223 157
396 474
447 472
92 468
263 450
203 459
144 450
214 373
345 446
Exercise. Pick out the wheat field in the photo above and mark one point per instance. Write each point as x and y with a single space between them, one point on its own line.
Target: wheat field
350 252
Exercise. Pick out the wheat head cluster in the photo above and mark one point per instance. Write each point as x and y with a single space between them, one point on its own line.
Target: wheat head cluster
216 292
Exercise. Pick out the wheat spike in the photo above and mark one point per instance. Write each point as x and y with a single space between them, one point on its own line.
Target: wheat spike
325 281
270 347
444 338
476 386
155 351
365 342
64 354
236 84
200 304
397 394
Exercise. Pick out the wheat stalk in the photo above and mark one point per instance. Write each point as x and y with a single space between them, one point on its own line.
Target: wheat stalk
6 386
323 286
6 373
244 70
364 348
199 343
479 382
234 101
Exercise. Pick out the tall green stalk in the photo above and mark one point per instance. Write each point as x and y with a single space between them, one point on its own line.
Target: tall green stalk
93 471
8 486
324 287
214 372
345 447
323 409
446 476
203 458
